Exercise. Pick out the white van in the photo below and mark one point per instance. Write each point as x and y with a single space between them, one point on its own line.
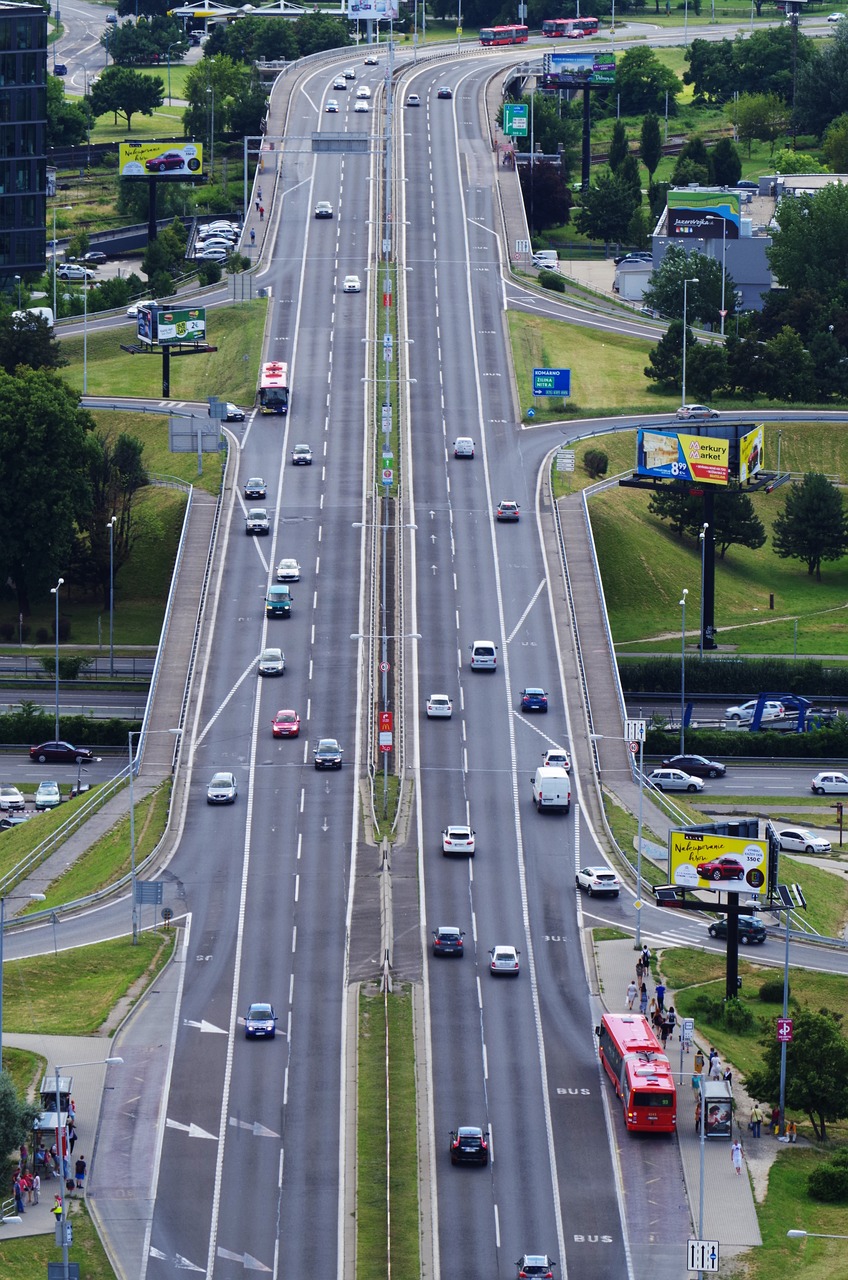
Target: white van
484 655
548 259
551 788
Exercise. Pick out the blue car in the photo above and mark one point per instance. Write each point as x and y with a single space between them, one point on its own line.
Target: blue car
534 700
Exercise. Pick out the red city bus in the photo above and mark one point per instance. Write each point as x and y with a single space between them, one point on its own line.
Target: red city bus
504 35
555 28
569 28
634 1061
274 387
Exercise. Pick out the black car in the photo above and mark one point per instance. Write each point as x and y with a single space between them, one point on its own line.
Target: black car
328 754
750 931
261 1020
468 1145
59 753
447 941
444 91
60 69
698 766
94 256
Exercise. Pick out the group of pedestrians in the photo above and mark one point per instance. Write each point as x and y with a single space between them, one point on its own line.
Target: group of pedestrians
44 1164
664 1021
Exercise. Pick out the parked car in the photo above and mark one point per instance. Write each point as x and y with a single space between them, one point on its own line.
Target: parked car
94 257
223 789
468 1145
447 941
725 868
794 839
439 706
48 796
696 412
74 271
830 784
674 780
598 880
286 724
744 713
749 930
11 799
328 754
59 753
458 840
260 1021
698 766
504 961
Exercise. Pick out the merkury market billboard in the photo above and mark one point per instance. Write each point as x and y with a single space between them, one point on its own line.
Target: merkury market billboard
676 456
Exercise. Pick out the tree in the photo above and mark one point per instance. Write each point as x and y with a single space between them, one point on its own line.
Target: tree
228 81
145 41
809 248
666 359
126 93
628 173
673 502
249 39
812 526
547 195
692 165
816 1069
822 83
711 70
28 340
788 367
642 82
606 208
706 369
760 117
703 300
618 146
16 1118
249 110
735 521
44 444
725 164
68 122
116 472
835 144
650 143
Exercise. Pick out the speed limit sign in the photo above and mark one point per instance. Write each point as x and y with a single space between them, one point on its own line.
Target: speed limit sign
634 748
384 667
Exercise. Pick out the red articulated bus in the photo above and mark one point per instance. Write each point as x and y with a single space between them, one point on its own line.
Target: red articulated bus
569 28
504 35
634 1061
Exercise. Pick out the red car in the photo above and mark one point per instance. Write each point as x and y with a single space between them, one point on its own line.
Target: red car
726 868
170 160
59 753
286 724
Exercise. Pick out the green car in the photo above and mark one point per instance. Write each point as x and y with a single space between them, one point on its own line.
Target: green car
278 602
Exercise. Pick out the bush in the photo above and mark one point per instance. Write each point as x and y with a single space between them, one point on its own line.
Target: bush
209 273
42 636
552 280
738 1017
596 463
7 632
829 1181
771 992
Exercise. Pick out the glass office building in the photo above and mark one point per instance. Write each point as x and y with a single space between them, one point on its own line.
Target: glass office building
23 128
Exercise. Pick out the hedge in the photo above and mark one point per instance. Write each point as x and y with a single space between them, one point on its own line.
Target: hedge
736 678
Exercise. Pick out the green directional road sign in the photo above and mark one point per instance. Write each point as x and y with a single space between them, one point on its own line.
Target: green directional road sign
516 121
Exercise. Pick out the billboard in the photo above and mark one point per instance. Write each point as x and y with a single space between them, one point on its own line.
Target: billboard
186 324
576 70
375 9
751 454
703 215
682 457
173 159
729 864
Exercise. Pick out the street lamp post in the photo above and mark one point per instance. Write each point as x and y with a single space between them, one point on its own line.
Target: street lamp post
111 527
55 264
210 93
54 591
682 603
723 268
60 1152
18 283
85 334
638 901
815 1235
33 897
703 537
137 733
686 283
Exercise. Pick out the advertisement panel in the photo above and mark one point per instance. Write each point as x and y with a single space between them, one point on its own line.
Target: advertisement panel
682 457
705 215
751 454
185 325
376 9
174 159
145 325
731 864
575 70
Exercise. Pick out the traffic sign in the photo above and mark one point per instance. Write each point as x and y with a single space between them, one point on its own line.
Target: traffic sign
635 730
702 1255
384 667
551 382
634 748
565 460
784 1030
516 120
388 475
385 722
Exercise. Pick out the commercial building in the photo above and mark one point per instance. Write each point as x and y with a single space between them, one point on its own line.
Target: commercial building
23 129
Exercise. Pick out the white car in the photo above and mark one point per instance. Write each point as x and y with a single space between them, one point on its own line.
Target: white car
212 255
363 92
73 271
557 756
694 412
351 284
744 713
271 662
674 780
800 840
133 308
323 209
413 100
463 447
439 705
332 106
256 522
504 961
349 73
340 83
11 798
360 107
835 17
458 840
598 880
830 784
288 571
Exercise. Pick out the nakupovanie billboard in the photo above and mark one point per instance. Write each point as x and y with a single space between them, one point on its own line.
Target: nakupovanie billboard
731 864
175 160
751 454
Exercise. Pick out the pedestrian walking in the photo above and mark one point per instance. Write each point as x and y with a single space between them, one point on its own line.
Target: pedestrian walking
257 205
252 237
698 1064
756 1120
262 213
727 1076
640 969
736 1157
671 1019
713 1055
57 1206
18 1190
79 1171
259 194
36 1186
696 1083
643 1000
665 1030
632 993
72 1136
646 961
715 1068
660 993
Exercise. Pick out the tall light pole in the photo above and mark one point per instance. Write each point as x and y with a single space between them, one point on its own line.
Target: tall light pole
56 207
54 591
682 603
111 527
60 1153
210 93
691 280
137 732
723 268
703 536
33 897
815 1235
85 333
637 728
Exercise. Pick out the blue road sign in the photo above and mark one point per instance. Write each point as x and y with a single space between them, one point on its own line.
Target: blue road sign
551 382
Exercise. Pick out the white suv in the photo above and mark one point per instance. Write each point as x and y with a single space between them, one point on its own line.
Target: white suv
745 712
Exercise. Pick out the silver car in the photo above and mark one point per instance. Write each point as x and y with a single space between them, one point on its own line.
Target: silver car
223 789
48 796
504 961
271 662
674 780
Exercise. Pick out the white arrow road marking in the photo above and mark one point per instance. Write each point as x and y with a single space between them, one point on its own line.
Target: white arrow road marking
193 1130
207 1026
258 1130
249 1263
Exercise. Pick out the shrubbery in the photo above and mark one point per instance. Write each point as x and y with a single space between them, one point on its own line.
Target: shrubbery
552 280
771 991
829 1180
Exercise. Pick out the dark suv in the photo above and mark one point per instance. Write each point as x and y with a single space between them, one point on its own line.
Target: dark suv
750 931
